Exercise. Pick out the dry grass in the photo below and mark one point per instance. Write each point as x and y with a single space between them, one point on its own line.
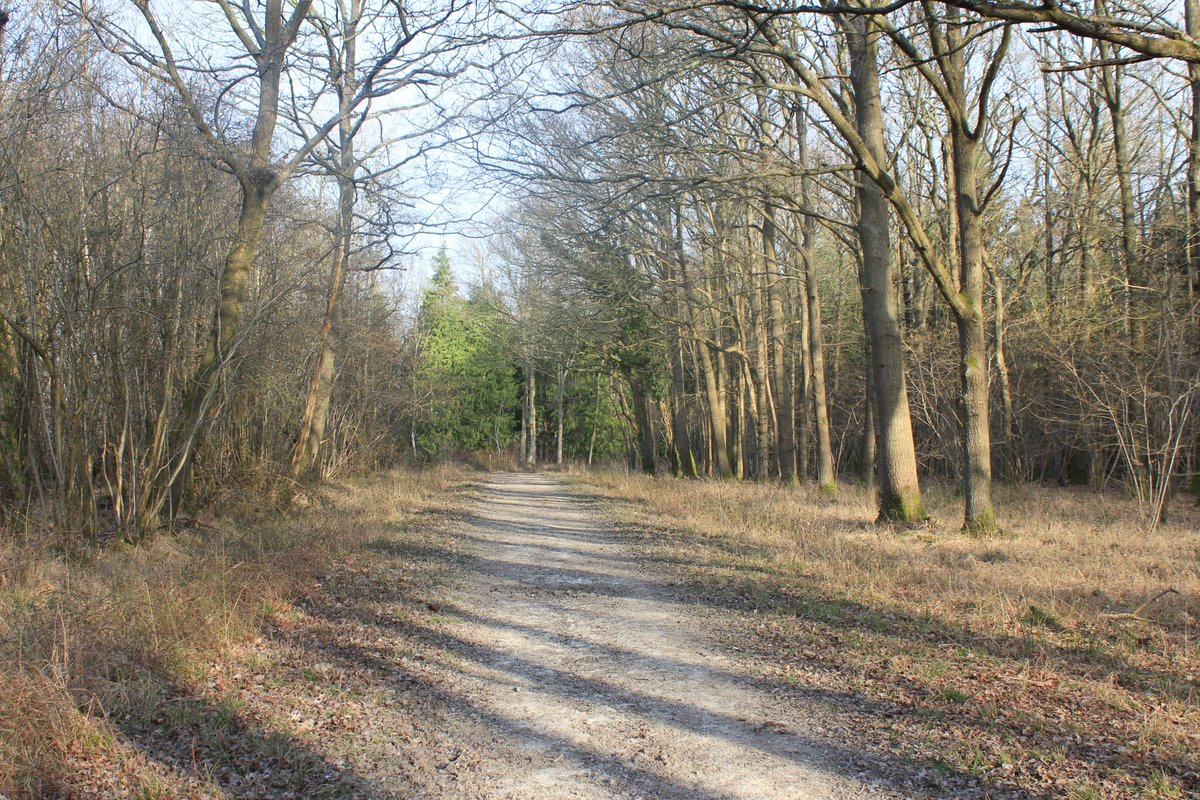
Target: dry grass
1014 661
88 640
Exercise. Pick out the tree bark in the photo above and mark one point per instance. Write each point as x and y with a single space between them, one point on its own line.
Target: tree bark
784 396
713 394
685 457
530 454
314 420
643 413
866 445
1110 78
979 515
732 385
522 447
899 493
755 382
559 421
258 180
203 387
306 459
1192 14
998 335
595 423
826 474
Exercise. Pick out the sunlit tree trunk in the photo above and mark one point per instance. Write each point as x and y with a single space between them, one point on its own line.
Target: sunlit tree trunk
714 395
756 380
1111 76
826 474
866 443
731 388
782 378
559 418
258 180
899 493
683 455
685 460
979 515
315 416
202 388
1192 10
530 454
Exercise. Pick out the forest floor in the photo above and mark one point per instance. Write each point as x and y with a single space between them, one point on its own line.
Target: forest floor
602 636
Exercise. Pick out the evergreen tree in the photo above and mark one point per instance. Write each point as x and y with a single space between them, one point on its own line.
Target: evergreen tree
466 367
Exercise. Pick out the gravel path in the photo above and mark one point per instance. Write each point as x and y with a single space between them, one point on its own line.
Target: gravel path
594 680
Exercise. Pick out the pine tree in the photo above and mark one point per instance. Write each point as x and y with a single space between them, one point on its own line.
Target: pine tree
466 368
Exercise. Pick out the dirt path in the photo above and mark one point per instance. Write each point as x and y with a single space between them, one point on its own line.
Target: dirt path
513 649
595 681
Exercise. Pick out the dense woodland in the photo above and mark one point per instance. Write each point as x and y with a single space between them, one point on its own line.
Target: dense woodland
956 241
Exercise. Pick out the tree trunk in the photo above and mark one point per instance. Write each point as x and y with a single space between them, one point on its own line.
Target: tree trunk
530 415
202 389
784 396
899 493
755 368
731 384
258 181
755 384
685 459
799 372
306 458
713 393
866 445
1110 79
826 474
320 386
595 423
560 424
979 516
523 447
998 332
1053 273
643 412
1192 12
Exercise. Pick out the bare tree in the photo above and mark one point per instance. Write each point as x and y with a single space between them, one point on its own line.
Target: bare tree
264 38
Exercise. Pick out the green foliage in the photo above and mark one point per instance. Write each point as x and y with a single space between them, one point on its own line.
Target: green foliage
591 409
1036 616
464 369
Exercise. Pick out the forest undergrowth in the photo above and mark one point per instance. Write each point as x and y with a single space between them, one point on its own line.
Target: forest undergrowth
1059 660
95 642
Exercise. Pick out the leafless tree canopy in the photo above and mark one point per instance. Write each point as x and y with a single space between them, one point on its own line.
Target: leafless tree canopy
955 240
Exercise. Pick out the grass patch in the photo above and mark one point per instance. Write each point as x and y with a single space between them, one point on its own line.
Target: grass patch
1038 617
949 694
94 645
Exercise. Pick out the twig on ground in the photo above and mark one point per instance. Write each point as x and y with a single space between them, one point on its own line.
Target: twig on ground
1137 612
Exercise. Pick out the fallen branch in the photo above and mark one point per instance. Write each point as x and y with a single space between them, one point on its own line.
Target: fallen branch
1137 612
